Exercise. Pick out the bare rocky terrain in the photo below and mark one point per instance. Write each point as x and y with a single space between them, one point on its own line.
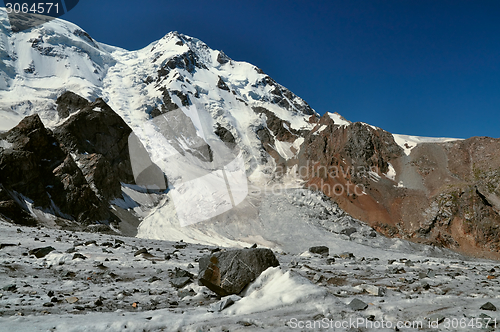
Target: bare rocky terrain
96 282
446 194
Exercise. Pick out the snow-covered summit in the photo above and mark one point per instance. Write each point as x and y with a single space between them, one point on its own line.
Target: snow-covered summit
39 64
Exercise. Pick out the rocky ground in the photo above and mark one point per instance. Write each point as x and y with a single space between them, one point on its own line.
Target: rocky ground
95 282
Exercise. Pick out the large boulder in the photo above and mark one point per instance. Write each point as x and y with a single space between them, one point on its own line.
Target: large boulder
229 272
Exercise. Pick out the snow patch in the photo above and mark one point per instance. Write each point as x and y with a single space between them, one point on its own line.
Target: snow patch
391 173
408 142
339 119
5 144
274 289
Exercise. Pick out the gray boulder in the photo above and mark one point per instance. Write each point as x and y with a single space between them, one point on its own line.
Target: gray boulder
41 252
358 305
489 306
321 250
229 272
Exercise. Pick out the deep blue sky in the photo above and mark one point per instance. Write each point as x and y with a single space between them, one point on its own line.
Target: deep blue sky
428 68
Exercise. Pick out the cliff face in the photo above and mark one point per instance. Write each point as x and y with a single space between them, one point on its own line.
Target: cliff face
445 194
70 173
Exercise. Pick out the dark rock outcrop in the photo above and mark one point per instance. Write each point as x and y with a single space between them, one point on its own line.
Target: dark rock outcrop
12 211
222 85
226 136
229 272
37 168
72 172
69 102
97 129
222 58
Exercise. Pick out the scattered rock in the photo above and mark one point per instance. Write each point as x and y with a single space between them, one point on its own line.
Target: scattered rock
224 303
153 279
141 251
48 304
72 299
98 302
9 288
321 250
228 272
180 273
79 256
330 260
357 304
347 255
374 290
180 246
180 282
184 292
4 245
41 252
348 231
488 306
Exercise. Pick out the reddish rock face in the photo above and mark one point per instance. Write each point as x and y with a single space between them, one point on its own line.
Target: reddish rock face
448 193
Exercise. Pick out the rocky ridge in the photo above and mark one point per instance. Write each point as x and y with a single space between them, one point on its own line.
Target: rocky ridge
444 194
68 176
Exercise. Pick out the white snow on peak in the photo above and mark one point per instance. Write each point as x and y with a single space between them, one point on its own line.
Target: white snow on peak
339 119
408 142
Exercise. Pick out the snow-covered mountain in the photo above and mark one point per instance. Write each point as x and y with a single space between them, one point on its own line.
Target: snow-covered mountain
201 118
40 64
233 101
